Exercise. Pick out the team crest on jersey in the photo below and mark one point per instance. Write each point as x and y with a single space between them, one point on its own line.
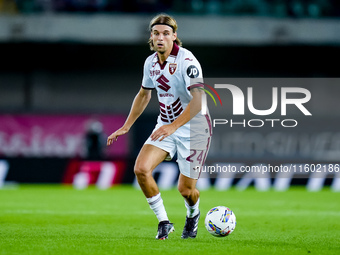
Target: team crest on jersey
172 68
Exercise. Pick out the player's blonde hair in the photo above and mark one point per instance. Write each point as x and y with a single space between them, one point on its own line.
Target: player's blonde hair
165 20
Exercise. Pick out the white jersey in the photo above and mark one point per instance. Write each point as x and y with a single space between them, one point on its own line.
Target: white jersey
172 81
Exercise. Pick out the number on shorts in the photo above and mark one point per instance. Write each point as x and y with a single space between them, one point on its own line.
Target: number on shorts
198 158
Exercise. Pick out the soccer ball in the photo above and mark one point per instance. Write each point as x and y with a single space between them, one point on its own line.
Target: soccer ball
220 221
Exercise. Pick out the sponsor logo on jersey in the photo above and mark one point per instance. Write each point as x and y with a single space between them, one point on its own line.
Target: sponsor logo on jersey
163 83
192 71
166 95
154 72
172 68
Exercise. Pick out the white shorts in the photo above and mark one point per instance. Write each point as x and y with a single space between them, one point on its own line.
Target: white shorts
191 152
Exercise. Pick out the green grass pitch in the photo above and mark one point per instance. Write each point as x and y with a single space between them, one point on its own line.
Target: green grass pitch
53 219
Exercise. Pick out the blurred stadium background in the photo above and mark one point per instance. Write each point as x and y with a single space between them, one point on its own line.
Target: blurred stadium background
71 68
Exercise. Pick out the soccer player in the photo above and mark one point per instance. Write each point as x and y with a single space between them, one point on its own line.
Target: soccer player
181 126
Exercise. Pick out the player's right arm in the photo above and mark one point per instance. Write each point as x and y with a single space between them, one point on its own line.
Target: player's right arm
138 106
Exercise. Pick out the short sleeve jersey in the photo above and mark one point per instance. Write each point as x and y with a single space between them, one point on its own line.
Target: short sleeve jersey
173 80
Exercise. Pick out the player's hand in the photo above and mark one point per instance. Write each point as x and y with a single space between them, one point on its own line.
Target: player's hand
114 136
163 132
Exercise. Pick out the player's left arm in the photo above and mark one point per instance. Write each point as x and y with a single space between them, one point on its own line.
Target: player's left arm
193 108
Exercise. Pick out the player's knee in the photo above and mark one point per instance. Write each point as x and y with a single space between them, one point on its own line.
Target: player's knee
140 170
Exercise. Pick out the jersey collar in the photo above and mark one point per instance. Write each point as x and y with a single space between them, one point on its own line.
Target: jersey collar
172 56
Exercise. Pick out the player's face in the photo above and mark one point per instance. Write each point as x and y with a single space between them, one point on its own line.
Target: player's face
163 38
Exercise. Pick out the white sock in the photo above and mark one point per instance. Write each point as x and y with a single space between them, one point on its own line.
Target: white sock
156 205
193 210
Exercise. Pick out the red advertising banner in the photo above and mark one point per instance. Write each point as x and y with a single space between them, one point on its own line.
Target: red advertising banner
58 135
103 174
